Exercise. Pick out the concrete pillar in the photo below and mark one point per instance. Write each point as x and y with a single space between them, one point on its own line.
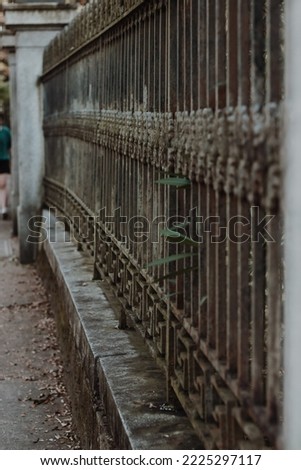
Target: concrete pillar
14 196
8 43
292 213
34 25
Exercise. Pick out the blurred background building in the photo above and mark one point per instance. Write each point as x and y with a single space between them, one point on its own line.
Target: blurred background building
26 29
4 70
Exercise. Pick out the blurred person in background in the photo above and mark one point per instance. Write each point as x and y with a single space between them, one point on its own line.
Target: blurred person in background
5 145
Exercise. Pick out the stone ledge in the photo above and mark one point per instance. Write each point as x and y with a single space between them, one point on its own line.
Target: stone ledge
25 16
7 40
42 6
111 372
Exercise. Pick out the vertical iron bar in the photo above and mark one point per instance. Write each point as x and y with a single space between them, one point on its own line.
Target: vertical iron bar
257 51
257 310
232 52
244 52
210 54
202 53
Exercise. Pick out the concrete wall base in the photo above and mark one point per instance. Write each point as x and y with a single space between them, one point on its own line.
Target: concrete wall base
28 251
115 386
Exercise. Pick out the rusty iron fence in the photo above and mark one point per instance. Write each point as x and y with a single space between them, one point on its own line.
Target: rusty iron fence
162 123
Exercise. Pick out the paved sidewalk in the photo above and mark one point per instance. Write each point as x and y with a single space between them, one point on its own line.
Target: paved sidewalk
34 410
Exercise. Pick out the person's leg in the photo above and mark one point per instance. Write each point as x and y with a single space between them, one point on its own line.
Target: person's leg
3 192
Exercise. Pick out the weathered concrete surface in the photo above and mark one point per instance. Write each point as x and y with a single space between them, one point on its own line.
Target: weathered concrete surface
34 406
111 372
37 15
